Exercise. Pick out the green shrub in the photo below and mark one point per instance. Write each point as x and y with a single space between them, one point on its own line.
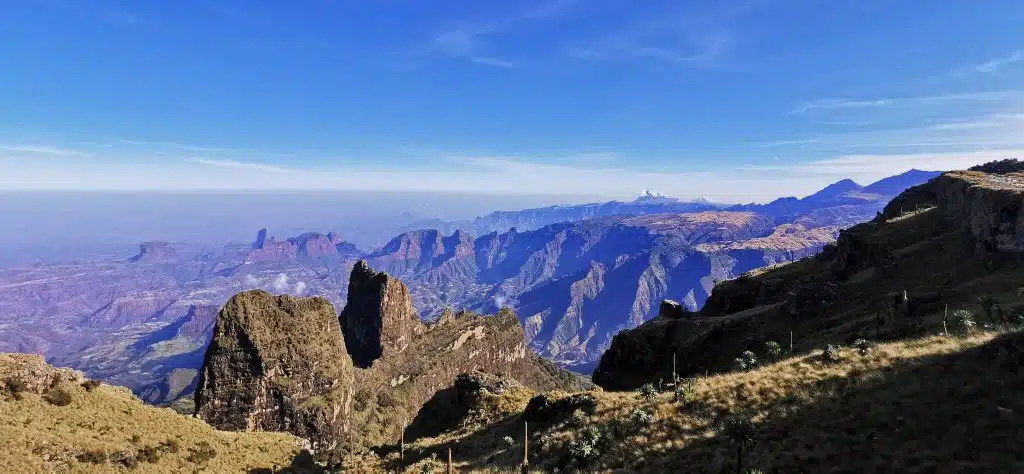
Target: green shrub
170 446
578 419
509 441
95 456
832 353
14 387
773 350
647 392
58 397
125 459
201 453
686 390
149 454
640 417
862 346
583 450
746 361
963 321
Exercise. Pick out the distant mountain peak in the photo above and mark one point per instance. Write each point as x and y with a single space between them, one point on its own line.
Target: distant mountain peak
648 195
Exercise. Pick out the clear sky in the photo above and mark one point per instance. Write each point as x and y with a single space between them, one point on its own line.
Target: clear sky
737 100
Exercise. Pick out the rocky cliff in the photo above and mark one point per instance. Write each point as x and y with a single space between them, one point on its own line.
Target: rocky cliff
285 364
379 318
277 363
943 244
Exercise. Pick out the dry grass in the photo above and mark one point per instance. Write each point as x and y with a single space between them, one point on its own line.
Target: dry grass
934 404
106 429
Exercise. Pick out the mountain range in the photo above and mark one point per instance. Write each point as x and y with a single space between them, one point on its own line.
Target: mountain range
575 275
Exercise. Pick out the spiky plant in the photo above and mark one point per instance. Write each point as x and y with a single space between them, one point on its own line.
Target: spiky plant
773 350
647 392
963 321
990 305
740 430
862 346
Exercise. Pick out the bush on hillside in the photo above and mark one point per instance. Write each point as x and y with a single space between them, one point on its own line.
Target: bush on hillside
58 397
95 456
648 393
773 350
1009 165
963 321
862 346
584 449
90 385
14 387
832 353
746 361
202 453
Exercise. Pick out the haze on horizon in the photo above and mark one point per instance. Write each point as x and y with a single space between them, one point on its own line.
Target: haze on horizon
459 109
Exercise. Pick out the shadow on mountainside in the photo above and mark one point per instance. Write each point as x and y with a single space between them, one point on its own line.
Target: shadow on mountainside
302 463
957 412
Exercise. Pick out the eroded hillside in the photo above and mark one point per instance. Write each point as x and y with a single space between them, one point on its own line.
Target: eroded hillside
951 243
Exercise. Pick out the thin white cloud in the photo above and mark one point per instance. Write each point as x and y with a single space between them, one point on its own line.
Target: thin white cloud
881 165
239 165
930 100
473 40
42 150
300 288
994 65
700 51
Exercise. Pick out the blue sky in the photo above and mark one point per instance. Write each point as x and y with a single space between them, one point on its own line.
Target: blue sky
737 100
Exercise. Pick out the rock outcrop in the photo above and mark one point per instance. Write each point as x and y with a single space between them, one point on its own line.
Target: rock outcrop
277 363
379 318
290 364
154 252
939 245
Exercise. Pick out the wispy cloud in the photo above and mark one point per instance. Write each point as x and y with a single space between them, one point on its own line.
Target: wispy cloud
996 64
43 150
876 165
697 51
239 165
846 103
473 39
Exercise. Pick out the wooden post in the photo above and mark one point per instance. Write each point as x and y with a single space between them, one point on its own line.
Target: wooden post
449 470
675 378
944 313
526 448
790 342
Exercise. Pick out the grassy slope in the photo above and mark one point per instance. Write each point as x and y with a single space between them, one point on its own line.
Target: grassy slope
37 436
933 404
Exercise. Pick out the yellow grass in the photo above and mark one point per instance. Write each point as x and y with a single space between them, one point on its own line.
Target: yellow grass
935 404
36 436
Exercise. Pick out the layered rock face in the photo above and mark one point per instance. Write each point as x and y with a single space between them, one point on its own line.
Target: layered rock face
277 363
939 245
379 318
291 364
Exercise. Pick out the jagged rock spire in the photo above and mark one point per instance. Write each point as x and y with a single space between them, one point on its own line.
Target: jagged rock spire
379 317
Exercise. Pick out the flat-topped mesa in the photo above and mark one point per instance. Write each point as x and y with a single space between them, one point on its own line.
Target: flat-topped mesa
379 318
154 251
276 363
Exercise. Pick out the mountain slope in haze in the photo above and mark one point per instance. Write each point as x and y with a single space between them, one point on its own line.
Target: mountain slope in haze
951 244
139 322
577 284
532 219
843 194
143 322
